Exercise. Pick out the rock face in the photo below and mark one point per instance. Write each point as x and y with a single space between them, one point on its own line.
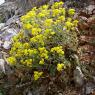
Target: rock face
16 7
7 10
26 5
87 40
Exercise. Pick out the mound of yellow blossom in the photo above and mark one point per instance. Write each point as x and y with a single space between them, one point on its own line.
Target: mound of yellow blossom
41 42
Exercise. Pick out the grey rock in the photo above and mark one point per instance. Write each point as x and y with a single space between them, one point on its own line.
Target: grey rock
7 45
1 43
90 9
29 93
7 10
90 87
2 65
78 77
2 25
60 94
26 5
14 20
8 33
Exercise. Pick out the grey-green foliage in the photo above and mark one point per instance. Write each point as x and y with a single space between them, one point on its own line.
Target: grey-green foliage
1 19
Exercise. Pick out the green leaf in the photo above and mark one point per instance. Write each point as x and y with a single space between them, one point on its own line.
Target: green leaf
52 70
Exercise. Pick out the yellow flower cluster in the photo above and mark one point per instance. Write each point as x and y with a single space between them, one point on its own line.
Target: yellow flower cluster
48 22
37 75
38 39
27 62
60 66
43 52
35 31
58 50
41 61
57 5
71 12
41 37
12 60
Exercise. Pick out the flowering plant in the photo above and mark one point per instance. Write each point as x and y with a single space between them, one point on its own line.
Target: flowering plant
41 44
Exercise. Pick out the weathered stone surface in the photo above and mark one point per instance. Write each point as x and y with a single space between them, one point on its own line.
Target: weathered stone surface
2 25
2 65
7 10
78 77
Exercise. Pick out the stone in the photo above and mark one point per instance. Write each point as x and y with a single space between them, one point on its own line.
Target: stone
90 9
9 33
90 87
78 77
2 65
2 25
1 43
29 93
7 45
7 10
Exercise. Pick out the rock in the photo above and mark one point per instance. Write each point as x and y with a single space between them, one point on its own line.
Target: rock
90 9
7 10
8 34
60 94
29 93
90 87
91 20
78 77
2 65
2 25
7 45
14 20
1 43
26 5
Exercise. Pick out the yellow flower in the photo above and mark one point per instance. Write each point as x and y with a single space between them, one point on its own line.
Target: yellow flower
57 5
52 33
31 14
37 75
61 18
29 62
41 15
43 52
24 18
25 52
56 12
26 45
60 66
33 39
45 7
58 50
68 24
17 45
27 26
34 9
30 52
48 22
11 60
63 11
69 19
35 31
71 12
75 22
41 61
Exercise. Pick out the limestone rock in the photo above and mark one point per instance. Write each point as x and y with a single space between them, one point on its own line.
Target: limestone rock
2 67
2 25
7 45
78 77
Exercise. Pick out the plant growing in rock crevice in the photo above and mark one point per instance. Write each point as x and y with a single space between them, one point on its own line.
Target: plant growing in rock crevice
40 46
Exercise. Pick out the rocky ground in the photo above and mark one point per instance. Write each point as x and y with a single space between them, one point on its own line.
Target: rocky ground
11 25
